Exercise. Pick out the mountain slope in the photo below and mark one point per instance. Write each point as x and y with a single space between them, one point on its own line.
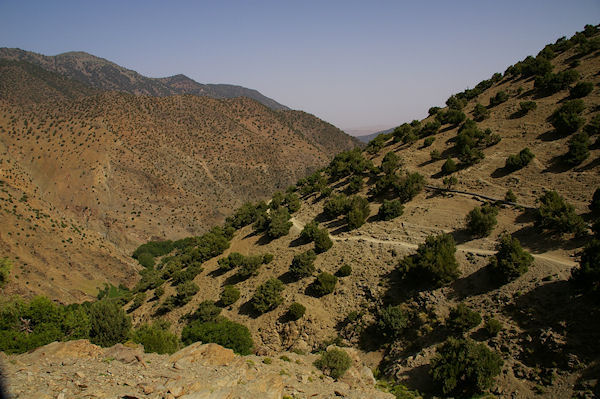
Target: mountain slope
103 74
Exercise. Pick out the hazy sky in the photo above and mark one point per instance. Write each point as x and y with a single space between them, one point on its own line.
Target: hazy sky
353 63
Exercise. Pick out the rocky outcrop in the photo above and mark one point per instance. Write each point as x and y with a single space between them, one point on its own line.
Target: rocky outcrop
200 371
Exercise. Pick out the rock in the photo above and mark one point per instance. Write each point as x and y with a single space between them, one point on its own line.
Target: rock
124 354
205 354
80 349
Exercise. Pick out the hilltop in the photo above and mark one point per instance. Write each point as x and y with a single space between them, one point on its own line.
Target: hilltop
106 75
459 253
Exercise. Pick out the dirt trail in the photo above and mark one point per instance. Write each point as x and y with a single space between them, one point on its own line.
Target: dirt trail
477 251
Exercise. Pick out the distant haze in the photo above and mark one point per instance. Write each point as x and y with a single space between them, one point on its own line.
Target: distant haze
355 64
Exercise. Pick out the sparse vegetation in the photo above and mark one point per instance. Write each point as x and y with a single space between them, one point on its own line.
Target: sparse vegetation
493 327
220 331
551 83
5 268
344 271
449 166
526 107
498 98
480 113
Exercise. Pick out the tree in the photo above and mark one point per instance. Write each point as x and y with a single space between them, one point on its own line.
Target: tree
482 220
434 263
221 331
359 211
520 160
267 296
322 241
156 338
229 295
108 323
511 260
463 319
296 311
303 264
309 231
556 215
587 276
335 362
566 119
279 224
526 106
595 204
392 321
206 311
449 166
480 113
578 149
462 367
324 284
390 209
581 89
499 98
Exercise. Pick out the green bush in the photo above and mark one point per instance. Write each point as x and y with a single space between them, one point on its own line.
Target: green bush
551 83
344 271
452 117
449 166
392 322
428 142
434 263
435 155
246 214
390 209
510 197
229 295
593 126
581 89
324 284
456 103
336 205
352 161
146 259
470 140
250 267
160 291
355 185
154 248
480 112
224 332
482 220
390 163
433 110
493 327
334 363
463 368
156 338
526 107
267 258
108 323
407 187
231 261
511 261
138 300
499 98
206 311
587 275
578 149
566 119
5 267
358 213
595 203
449 182
303 264
462 319
322 241
296 311
279 224
309 232
556 215
429 129
267 296
520 160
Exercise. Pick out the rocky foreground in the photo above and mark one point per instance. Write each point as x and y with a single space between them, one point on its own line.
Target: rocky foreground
79 369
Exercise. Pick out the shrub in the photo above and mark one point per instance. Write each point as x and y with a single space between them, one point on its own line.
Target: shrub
390 209
595 203
566 119
510 196
430 128
520 160
392 321
593 126
409 186
5 267
324 284
229 295
526 107
296 311
435 155
267 258
154 248
206 311
480 112
279 224
138 300
353 161
551 83
462 367
463 319
245 215
578 149
581 89
185 292
344 271
267 296
493 327
146 259
310 230
336 205
587 275
511 261
482 220
470 140
434 263
334 363
499 98
322 241
557 215
449 182
456 103
108 323
433 110
250 266
160 291
390 163
303 264
359 211
451 117
224 332
428 141
156 338
449 166
291 202
355 185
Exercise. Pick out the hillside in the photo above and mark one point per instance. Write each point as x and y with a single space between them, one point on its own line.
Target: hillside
456 256
103 74
131 168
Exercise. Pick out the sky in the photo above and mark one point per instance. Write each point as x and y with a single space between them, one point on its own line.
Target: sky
364 65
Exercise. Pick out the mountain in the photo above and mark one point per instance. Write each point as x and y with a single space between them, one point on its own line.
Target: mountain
368 137
103 74
456 256
118 169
